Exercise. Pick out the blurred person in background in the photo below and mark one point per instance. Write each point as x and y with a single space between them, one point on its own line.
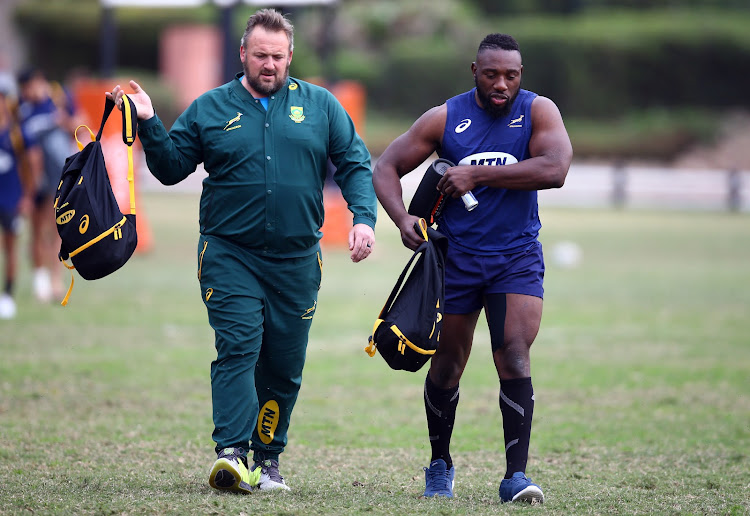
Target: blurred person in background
20 170
48 114
8 84
264 139
507 143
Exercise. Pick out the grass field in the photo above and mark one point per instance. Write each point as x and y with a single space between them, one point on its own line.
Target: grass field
641 372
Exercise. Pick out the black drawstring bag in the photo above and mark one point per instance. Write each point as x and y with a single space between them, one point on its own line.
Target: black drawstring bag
96 236
407 331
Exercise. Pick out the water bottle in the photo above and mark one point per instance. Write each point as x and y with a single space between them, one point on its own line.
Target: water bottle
440 166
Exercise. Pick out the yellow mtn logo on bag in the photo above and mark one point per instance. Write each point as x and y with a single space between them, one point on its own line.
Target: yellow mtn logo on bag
297 114
66 217
268 420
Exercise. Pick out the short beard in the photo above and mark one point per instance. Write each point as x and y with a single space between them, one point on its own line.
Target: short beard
491 109
263 88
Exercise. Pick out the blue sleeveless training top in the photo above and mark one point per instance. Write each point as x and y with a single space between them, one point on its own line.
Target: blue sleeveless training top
505 220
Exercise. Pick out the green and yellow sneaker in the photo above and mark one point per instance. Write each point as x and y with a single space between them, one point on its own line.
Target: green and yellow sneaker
229 472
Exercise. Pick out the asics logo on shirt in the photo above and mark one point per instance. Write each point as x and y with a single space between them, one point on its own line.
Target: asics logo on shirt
489 158
463 125
517 122
230 122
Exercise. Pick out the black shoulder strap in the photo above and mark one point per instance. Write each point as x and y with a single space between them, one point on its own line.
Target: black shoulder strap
420 227
129 119
109 105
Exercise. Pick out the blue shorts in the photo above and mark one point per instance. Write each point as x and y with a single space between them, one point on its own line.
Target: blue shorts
470 277
10 221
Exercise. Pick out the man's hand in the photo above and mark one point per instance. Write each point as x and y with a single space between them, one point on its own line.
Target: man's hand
361 240
139 98
457 181
409 236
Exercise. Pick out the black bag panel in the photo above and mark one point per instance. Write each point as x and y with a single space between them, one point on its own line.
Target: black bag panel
98 190
415 308
86 205
69 176
397 355
109 254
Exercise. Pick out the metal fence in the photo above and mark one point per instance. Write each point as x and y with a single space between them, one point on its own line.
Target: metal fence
622 186
614 185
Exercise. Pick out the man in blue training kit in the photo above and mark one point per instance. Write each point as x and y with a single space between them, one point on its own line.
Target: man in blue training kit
49 115
507 143
20 170
265 139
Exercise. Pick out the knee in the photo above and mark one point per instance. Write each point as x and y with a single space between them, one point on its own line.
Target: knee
445 374
513 360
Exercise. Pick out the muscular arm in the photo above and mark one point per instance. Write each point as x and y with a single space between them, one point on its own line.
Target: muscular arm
403 155
551 154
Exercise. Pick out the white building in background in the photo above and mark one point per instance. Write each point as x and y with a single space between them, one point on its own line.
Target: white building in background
12 51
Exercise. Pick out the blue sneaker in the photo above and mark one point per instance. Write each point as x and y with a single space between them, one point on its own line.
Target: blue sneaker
439 479
518 488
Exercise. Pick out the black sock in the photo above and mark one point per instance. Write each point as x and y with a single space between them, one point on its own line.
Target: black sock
440 406
517 408
9 286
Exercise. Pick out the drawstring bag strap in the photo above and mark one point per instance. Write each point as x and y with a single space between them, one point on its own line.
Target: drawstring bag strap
129 124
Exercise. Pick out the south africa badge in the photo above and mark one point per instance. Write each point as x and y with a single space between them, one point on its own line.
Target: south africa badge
296 114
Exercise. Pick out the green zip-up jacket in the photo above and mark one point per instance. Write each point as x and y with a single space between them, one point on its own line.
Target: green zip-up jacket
266 169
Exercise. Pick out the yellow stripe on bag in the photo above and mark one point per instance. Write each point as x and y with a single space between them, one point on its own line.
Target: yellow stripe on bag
403 340
116 229
100 237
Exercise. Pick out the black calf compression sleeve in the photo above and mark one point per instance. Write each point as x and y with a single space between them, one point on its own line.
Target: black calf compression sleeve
440 406
517 408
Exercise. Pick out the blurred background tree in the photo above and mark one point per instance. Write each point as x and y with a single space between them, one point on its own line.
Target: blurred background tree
643 78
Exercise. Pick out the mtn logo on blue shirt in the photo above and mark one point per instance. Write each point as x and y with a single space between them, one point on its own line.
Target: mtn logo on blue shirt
489 158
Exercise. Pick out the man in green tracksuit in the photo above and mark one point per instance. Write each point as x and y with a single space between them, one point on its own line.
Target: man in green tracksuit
265 139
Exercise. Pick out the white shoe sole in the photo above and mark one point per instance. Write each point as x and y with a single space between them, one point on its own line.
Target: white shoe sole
266 484
531 494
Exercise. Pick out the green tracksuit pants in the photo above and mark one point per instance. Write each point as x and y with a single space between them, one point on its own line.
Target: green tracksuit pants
261 310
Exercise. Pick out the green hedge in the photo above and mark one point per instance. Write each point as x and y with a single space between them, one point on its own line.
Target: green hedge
596 65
